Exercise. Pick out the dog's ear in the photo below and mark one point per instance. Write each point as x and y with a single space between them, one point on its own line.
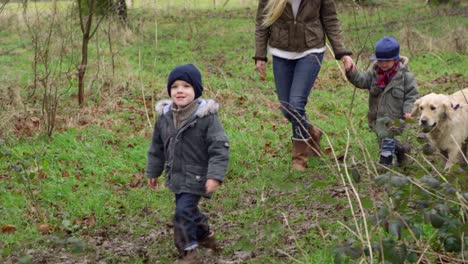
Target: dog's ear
415 111
447 110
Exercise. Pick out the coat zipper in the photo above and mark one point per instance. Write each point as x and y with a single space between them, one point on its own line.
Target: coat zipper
182 129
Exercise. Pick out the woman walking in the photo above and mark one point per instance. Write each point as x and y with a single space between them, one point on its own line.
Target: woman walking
294 33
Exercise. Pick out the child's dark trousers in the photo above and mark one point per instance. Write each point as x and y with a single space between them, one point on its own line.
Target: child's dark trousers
190 225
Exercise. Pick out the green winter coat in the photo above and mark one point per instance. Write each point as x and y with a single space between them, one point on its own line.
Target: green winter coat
191 154
394 101
315 20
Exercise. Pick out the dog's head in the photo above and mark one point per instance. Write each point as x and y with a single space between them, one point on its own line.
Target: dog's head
433 109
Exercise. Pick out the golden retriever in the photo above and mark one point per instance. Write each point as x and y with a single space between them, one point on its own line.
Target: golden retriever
445 120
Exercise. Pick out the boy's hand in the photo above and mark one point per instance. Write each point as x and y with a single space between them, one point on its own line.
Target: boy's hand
407 116
153 183
211 186
348 63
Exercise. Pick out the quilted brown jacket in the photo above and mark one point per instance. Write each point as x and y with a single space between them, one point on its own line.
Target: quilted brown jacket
315 20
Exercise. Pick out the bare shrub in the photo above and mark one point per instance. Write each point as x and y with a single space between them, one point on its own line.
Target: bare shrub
443 2
10 98
415 41
15 98
51 66
454 39
460 39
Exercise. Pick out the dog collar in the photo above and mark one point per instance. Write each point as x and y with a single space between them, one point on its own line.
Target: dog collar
455 107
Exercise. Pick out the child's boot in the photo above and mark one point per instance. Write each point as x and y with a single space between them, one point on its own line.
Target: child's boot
209 242
190 257
179 244
400 152
314 141
386 161
299 154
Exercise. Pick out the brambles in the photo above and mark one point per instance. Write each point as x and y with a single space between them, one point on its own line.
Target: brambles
419 210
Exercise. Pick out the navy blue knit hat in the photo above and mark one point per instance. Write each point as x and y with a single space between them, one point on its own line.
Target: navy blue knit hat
387 48
188 73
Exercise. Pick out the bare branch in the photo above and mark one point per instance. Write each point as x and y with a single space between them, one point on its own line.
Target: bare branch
3 4
97 25
80 15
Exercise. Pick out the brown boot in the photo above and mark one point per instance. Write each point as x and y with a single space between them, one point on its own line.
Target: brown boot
299 154
209 242
314 141
190 257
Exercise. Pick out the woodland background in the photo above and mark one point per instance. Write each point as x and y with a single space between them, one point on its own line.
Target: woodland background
79 80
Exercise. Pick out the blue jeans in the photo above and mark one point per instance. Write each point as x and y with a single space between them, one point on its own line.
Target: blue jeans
190 225
294 80
387 147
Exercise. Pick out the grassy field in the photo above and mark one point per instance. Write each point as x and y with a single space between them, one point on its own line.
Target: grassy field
80 196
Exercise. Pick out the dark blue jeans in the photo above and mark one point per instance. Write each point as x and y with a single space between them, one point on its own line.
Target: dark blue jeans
294 80
387 147
190 225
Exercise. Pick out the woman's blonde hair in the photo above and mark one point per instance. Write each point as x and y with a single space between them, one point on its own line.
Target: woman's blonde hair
273 9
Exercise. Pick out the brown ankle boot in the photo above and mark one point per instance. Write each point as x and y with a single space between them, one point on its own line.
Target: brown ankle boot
314 141
299 154
209 242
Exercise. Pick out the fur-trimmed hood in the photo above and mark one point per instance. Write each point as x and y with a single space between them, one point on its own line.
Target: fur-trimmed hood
206 107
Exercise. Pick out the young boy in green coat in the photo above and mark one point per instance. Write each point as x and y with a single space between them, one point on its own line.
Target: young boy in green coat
189 143
392 93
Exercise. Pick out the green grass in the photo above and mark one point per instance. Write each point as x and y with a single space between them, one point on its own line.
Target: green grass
93 166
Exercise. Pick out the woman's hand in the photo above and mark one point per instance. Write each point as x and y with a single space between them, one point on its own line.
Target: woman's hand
261 68
348 63
211 186
153 183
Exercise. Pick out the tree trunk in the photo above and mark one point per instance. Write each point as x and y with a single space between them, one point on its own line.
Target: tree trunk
54 7
86 30
121 8
82 68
